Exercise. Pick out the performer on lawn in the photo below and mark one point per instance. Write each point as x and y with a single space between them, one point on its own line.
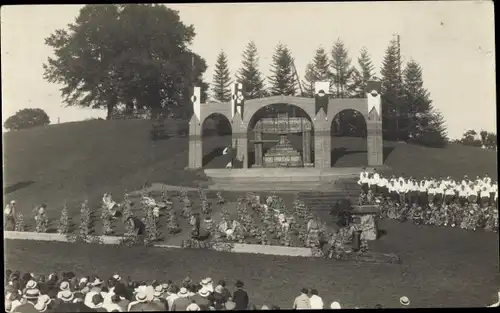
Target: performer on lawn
463 194
9 216
449 194
364 180
485 196
113 207
312 238
422 193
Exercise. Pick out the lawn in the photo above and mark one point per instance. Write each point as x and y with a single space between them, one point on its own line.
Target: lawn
71 162
442 267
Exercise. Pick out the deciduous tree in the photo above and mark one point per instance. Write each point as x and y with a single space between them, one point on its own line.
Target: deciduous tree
27 118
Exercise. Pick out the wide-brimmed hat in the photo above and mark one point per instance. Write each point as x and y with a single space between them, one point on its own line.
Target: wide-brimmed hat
404 300
204 292
117 277
183 292
64 285
44 298
335 305
193 307
66 296
31 294
41 306
141 296
97 282
230 305
31 284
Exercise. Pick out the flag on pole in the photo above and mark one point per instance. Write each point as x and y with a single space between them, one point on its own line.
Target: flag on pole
195 99
321 92
237 99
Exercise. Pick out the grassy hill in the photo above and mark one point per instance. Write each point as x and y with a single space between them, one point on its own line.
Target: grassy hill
74 161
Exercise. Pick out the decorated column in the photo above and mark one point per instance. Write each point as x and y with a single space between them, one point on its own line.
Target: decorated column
258 149
306 147
374 124
195 143
237 104
322 140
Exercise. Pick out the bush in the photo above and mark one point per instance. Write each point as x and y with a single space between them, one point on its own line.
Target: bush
63 227
20 222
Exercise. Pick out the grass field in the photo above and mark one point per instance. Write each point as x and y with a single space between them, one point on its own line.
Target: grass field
71 162
442 267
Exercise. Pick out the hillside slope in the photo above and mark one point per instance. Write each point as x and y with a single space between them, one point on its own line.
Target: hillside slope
73 161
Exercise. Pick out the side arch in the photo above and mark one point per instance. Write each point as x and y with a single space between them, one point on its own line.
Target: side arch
348 132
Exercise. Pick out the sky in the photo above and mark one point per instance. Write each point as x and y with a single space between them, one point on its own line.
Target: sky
453 41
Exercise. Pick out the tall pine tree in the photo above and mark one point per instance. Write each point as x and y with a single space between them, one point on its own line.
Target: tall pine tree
249 74
317 70
393 109
282 81
363 75
425 125
341 70
221 86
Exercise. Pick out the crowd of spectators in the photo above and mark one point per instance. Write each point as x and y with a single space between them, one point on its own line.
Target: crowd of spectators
69 293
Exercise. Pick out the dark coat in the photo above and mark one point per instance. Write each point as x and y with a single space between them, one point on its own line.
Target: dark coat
240 298
72 307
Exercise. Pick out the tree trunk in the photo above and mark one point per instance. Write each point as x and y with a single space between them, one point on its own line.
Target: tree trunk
110 106
129 108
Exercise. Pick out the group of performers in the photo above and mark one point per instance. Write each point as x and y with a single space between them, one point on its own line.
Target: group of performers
468 204
482 191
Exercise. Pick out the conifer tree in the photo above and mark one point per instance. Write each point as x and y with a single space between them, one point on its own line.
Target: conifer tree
363 75
282 81
317 70
392 105
249 74
342 71
221 86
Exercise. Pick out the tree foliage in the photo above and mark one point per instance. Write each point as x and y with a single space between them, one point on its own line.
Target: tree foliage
249 74
363 75
342 71
134 54
282 80
27 118
221 85
317 70
483 138
392 93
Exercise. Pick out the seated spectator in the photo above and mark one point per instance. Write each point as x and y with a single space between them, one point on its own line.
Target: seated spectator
316 301
335 306
115 305
219 298
201 299
182 301
302 302
193 307
225 291
97 303
240 296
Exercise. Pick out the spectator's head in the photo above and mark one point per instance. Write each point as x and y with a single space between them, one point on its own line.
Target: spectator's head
204 292
64 285
222 283
78 297
31 284
264 307
314 292
239 284
183 293
404 301
141 296
219 289
115 298
304 290
66 296
335 305
97 300
193 307
173 289
111 283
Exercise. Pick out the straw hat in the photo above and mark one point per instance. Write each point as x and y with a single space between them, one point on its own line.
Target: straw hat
41 306
31 284
31 294
204 292
193 307
66 296
183 293
64 286
404 300
335 305
141 296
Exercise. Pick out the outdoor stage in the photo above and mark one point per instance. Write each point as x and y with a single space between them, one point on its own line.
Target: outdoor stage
283 179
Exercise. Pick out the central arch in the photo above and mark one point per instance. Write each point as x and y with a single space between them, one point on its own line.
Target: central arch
263 136
348 139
